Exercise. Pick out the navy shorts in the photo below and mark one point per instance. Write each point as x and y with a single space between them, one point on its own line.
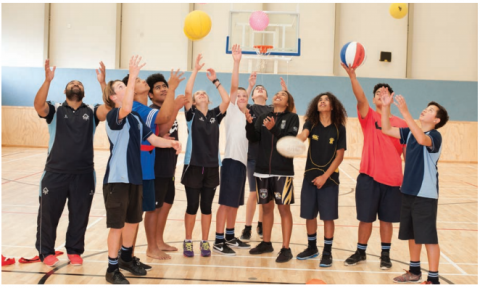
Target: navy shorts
374 198
232 183
148 203
323 201
418 219
278 188
252 184
164 191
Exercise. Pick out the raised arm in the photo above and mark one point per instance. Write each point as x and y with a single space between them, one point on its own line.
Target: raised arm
191 81
211 75
40 102
416 131
163 129
103 109
251 82
165 114
127 102
362 102
387 128
283 84
237 56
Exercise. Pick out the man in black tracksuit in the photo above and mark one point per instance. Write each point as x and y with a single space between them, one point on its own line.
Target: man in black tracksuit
273 172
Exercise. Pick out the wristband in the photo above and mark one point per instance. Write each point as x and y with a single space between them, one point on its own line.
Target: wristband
218 85
215 80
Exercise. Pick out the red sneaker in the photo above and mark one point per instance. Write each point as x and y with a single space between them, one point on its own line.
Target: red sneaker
426 282
75 259
50 260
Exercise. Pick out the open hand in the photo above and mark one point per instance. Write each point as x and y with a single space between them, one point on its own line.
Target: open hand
175 79
101 73
248 116
198 66
236 53
386 97
211 75
401 104
282 83
252 79
350 71
134 66
49 74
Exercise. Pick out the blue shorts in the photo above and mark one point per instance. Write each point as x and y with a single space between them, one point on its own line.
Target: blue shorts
252 183
232 183
148 203
315 201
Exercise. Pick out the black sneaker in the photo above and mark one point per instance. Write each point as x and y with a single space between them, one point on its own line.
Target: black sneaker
385 262
145 266
237 243
261 248
326 260
116 277
355 258
260 231
246 234
284 256
133 267
310 252
223 248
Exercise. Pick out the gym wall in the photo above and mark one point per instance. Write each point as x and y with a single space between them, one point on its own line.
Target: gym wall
434 42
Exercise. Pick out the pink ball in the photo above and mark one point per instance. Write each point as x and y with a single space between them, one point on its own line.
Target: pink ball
259 20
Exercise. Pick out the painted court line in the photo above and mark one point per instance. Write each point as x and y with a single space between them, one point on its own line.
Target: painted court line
453 263
355 181
229 257
281 269
3 162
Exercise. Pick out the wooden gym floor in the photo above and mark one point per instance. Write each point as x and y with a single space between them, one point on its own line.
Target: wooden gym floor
457 229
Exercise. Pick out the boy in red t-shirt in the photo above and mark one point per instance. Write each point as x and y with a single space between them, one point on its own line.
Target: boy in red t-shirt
378 184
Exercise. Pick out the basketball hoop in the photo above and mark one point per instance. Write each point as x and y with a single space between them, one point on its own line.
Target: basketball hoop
262 50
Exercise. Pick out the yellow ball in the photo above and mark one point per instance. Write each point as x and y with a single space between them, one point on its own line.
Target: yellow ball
197 25
398 10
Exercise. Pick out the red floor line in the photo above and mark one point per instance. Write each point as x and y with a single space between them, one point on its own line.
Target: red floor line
22 177
471 184
213 221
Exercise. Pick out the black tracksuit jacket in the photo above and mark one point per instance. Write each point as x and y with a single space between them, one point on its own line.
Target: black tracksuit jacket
269 161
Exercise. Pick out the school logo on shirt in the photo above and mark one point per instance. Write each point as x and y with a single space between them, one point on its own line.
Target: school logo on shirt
331 140
263 193
315 137
174 127
65 116
45 190
85 117
283 124
278 195
201 119
212 120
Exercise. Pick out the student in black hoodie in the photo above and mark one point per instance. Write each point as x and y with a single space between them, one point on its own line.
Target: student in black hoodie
273 172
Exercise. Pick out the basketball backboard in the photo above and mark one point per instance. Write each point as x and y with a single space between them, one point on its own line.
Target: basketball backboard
282 33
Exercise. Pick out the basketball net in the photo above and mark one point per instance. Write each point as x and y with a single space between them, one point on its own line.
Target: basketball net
262 50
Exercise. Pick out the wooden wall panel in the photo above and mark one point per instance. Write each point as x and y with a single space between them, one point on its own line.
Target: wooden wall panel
21 126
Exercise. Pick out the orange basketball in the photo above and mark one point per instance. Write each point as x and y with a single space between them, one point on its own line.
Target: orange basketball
316 281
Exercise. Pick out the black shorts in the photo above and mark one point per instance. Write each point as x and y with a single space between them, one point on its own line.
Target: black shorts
314 201
164 191
278 188
252 183
148 202
418 219
372 197
123 203
232 185
198 177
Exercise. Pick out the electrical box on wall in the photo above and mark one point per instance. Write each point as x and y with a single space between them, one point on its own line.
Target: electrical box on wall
386 56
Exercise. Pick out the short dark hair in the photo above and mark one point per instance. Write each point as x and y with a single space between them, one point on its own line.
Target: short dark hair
378 86
155 78
71 82
125 80
253 90
442 114
241 88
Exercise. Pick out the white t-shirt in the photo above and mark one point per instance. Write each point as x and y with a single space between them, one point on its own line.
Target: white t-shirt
236 141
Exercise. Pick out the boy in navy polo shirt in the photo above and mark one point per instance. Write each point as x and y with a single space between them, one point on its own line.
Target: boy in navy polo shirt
122 189
420 183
